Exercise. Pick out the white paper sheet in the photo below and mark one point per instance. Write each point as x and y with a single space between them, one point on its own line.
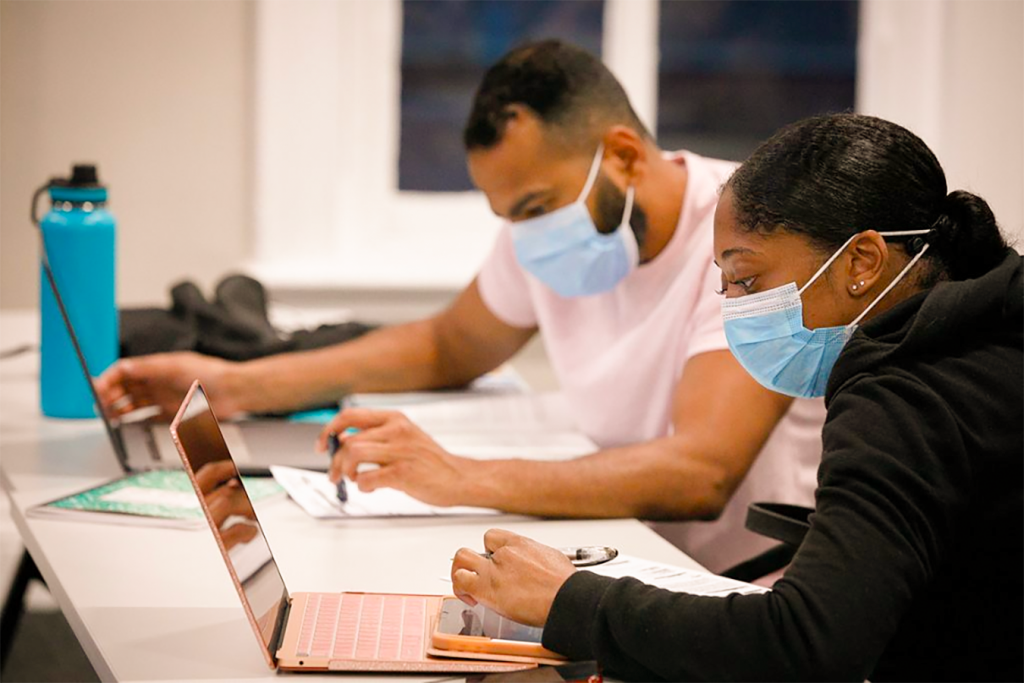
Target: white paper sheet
674 578
530 426
315 494
496 414
503 380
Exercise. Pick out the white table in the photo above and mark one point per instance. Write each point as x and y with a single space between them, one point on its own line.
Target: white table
152 604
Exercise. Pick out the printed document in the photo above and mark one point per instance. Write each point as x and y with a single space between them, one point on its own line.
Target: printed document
674 578
531 426
315 494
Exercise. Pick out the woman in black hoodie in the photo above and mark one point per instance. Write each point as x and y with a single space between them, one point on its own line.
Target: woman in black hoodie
908 319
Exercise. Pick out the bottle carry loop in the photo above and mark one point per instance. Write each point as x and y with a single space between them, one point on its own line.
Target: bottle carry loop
35 201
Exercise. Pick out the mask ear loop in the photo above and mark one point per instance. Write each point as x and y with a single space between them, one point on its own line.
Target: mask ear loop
828 263
891 233
892 284
592 176
627 211
625 230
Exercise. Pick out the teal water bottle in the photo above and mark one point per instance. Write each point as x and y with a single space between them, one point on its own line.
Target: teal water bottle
78 238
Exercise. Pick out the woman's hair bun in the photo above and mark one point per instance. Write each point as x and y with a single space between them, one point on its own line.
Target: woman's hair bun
967 237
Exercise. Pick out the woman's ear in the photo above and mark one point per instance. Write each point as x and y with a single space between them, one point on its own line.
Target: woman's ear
866 257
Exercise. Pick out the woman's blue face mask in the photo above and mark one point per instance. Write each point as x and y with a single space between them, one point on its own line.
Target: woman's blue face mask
564 249
766 333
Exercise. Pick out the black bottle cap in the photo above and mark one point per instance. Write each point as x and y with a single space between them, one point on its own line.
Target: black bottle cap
83 175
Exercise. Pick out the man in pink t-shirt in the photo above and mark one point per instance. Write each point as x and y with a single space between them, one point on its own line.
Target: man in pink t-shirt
607 254
620 355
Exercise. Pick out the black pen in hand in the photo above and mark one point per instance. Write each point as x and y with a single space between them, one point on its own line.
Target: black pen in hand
333 444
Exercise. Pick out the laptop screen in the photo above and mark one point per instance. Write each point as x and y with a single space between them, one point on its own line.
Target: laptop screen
112 426
231 516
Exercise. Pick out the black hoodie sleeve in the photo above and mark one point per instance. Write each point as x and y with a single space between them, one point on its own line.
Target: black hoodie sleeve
891 484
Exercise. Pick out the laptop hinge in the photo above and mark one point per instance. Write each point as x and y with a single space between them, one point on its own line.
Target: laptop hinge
282 620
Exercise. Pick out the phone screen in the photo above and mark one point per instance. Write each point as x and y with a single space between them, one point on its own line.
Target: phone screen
458 618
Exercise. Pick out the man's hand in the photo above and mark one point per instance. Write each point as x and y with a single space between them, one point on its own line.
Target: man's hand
519 580
408 459
162 380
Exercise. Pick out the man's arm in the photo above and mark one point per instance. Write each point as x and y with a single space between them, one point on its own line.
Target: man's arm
450 349
721 416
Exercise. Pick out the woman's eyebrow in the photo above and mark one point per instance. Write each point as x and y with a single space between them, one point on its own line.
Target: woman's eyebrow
734 251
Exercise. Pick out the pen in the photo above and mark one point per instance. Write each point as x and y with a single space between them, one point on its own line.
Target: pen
333 444
586 556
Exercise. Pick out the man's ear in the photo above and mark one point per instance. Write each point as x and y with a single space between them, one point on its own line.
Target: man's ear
513 113
627 151
866 258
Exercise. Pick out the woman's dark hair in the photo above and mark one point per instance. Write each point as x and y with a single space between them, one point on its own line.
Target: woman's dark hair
830 177
564 85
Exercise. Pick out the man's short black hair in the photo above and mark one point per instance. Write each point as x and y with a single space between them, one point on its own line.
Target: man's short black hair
565 86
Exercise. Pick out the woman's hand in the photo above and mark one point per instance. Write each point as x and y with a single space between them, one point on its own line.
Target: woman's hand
518 579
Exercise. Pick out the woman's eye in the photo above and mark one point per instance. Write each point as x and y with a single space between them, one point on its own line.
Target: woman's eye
745 284
534 211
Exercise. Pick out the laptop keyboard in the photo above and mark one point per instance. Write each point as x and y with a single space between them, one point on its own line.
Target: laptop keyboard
358 626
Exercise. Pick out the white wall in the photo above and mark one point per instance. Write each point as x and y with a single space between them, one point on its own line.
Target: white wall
953 72
161 94
158 93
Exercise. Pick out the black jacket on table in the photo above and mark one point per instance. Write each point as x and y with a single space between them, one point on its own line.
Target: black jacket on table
913 568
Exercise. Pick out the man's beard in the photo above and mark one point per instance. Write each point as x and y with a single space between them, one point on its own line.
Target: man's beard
611 202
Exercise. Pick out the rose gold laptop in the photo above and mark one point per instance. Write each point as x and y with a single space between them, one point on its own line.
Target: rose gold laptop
304 631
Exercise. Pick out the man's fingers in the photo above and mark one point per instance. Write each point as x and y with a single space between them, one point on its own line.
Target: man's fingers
366 418
362 419
121 404
111 377
112 389
385 477
332 427
364 452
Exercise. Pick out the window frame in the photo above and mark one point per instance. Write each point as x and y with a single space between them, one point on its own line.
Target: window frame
327 209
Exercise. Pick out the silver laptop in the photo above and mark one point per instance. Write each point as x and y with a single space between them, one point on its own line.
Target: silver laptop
139 446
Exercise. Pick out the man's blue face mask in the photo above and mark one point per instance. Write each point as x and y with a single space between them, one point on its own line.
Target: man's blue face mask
564 249
766 333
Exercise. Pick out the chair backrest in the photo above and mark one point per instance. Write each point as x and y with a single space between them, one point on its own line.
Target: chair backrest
783 522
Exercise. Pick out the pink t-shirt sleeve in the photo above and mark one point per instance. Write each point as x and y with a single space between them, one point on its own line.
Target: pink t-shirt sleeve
503 284
708 331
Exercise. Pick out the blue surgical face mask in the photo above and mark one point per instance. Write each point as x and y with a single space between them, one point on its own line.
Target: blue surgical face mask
564 249
766 333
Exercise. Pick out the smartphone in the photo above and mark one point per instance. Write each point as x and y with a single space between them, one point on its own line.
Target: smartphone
570 672
460 627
